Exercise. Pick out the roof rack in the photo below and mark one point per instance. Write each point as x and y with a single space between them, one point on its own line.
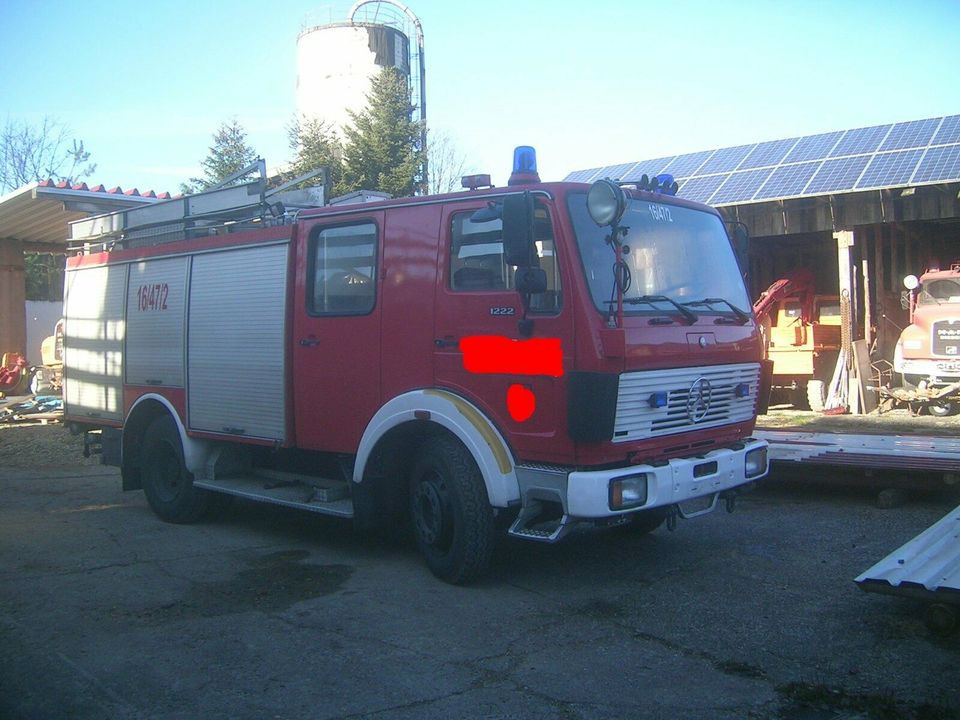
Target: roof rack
218 210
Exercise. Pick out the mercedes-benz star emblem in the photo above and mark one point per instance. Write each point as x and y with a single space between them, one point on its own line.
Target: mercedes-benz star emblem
698 400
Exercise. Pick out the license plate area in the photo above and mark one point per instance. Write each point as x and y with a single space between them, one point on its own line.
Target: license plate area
698 506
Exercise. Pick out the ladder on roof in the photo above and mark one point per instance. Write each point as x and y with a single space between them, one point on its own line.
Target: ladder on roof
211 212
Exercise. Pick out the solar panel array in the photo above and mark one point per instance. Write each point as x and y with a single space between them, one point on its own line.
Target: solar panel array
917 152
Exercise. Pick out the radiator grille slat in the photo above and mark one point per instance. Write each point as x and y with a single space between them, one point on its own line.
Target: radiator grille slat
714 402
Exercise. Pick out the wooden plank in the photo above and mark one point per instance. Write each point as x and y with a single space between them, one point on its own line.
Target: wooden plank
861 358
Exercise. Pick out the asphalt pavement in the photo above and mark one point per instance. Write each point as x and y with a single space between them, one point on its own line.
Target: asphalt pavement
261 612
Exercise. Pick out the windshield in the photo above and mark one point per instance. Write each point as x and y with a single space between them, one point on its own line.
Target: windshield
937 292
674 252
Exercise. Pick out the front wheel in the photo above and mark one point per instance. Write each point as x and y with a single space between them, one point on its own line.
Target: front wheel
942 408
452 519
166 481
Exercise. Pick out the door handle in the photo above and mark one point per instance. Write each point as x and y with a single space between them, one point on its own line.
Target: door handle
309 342
446 342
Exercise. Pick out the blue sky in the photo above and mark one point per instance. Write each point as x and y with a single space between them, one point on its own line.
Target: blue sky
145 85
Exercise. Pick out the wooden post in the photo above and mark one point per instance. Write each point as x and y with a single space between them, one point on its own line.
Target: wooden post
867 314
845 241
13 314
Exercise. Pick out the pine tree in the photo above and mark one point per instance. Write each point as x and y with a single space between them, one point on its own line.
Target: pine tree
383 149
315 145
228 154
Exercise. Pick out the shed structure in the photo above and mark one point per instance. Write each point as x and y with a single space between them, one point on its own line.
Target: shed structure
861 208
33 219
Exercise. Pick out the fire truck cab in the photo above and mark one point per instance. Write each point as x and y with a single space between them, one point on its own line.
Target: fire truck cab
540 356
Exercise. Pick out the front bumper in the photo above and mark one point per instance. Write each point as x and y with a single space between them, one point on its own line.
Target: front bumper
677 481
941 371
586 494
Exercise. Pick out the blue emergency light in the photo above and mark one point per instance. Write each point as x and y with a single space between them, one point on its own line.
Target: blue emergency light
524 166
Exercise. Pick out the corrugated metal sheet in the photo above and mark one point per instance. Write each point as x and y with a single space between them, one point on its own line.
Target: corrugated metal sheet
40 212
910 452
930 562
237 342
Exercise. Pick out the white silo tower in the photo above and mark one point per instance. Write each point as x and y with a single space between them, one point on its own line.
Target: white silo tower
337 60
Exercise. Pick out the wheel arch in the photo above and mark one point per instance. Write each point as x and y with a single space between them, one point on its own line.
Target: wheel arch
144 411
416 415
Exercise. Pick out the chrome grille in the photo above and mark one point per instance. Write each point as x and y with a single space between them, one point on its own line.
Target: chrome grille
637 419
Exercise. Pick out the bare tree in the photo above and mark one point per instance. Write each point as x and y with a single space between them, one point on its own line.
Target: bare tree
447 165
28 154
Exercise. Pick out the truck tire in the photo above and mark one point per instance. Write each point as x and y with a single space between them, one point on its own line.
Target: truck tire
166 482
453 522
816 395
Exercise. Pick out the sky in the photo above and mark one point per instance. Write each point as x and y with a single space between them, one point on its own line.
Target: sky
145 85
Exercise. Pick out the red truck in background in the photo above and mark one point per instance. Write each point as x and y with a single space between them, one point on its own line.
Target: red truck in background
541 356
927 354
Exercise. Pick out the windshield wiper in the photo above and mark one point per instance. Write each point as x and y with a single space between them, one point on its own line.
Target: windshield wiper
742 317
654 299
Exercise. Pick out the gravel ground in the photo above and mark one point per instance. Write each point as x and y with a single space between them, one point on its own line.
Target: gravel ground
41 446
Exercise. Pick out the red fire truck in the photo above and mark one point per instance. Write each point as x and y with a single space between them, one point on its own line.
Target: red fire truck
538 356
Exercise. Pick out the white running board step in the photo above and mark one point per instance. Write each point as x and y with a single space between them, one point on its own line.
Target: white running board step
328 497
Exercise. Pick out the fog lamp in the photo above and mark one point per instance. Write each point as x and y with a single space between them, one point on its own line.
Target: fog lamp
755 463
606 202
629 491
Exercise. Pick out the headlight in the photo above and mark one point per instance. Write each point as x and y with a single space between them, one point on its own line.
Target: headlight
756 462
628 492
606 202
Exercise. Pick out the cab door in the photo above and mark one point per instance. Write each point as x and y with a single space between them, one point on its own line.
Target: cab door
337 333
477 298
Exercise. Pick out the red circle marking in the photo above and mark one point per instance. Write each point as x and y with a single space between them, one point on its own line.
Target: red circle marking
521 402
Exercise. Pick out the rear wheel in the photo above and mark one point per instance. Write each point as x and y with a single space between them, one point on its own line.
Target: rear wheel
452 519
166 482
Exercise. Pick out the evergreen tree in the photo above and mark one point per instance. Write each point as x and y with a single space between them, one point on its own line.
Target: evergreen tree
228 154
315 145
383 149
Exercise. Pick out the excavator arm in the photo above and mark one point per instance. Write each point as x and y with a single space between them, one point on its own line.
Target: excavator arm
800 283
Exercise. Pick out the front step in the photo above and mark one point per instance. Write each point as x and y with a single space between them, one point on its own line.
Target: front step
304 492
527 527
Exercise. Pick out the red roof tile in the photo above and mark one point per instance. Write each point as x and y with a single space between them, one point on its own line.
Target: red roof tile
134 192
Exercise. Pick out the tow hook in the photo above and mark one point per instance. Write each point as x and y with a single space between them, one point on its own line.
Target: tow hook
729 501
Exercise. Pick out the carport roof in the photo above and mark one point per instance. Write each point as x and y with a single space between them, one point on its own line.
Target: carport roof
896 155
38 213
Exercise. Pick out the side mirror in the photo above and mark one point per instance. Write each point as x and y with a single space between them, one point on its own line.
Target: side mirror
740 238
911 282
518 229
530 280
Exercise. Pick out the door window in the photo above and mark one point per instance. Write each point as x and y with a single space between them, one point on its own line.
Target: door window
477 262
343 265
